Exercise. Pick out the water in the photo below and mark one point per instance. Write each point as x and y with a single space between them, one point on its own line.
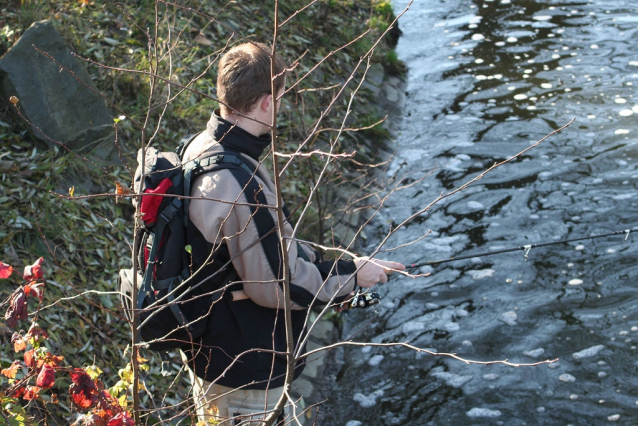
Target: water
487 79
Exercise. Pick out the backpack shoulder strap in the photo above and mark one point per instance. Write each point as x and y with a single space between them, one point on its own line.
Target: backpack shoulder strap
184 143
220 160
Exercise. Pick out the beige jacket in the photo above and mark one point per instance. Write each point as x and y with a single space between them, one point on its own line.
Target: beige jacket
255 256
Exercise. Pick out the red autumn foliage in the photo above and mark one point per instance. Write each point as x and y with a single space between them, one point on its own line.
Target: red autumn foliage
94 420
19 342
121 419
31 393
29 358
12 370
17 308
46 378
87 394
83 391
108 406
34 289
5 270
34 272
36 333
50 359
17 393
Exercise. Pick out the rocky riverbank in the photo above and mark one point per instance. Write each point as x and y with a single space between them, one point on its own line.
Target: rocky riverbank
315 383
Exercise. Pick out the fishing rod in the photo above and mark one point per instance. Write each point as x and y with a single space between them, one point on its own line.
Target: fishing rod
364 299
527 249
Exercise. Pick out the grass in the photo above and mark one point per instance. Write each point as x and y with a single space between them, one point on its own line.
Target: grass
86 241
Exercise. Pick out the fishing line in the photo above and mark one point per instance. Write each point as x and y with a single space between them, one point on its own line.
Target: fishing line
527 249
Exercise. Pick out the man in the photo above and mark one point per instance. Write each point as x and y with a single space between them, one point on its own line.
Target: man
238 366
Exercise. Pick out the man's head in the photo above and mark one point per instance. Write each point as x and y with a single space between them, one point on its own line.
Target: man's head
243 77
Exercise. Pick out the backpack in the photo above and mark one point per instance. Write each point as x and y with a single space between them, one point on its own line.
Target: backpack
173 314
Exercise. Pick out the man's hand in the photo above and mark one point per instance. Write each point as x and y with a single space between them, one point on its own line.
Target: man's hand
372 271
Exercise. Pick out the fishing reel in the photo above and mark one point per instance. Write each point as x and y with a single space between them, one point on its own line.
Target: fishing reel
364 300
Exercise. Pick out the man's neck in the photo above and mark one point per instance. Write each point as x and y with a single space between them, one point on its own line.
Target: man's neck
250 125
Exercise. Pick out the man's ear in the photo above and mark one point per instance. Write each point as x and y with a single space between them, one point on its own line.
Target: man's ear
265 102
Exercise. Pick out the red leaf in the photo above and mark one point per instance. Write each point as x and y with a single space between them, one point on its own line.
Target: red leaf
108 405
17 393
35 289
34 272
46 378
11 371
36 333
121 419
94 420
5 270
83 391
31 393
29 358
17 308
53 360
19 342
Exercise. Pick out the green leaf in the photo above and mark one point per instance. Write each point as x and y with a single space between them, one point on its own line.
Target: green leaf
93 371
189 249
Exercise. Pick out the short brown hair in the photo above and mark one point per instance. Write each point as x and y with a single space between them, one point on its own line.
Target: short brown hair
243 76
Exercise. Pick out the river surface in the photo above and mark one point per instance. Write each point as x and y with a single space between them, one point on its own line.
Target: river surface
487 79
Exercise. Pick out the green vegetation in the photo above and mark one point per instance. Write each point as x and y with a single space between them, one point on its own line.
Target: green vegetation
86 240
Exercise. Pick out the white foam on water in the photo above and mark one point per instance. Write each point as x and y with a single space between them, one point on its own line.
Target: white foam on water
544 175
367 401
534 353
375 360
626 113
482 274
451 379
412 326
354 423
491 377
567 378
483 412
575 281
475 205
452 326
509 318
589 352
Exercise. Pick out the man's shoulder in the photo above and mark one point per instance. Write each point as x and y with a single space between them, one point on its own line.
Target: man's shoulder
199 146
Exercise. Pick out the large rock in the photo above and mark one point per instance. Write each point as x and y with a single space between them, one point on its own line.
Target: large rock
54 100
